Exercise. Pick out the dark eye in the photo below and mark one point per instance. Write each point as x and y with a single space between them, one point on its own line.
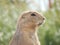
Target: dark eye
33 14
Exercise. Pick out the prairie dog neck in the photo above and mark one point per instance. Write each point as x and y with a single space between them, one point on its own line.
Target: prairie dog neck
27 30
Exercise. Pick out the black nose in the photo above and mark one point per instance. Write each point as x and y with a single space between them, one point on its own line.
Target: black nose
33 14
43 18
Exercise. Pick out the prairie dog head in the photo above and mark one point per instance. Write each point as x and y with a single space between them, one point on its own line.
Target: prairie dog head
31 19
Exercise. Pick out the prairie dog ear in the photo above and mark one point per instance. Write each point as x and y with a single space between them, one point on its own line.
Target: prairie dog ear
23 17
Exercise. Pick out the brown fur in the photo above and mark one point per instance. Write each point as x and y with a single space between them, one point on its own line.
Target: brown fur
26 33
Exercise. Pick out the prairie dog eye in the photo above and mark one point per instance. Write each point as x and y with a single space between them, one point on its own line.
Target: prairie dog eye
33 14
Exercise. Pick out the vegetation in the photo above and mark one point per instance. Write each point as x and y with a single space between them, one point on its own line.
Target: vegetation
49 33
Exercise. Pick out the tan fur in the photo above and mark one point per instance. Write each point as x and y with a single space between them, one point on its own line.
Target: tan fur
26 33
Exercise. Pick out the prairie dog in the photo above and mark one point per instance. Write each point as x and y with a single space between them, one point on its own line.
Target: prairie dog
26 32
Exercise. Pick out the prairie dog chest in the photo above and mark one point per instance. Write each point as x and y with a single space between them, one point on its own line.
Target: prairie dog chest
31 38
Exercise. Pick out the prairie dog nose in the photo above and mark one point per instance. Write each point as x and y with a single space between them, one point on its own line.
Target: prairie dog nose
43 18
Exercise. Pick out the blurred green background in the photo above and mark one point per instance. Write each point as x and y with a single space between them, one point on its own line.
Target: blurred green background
49 33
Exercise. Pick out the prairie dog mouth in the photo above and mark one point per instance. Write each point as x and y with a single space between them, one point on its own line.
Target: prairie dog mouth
39 23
